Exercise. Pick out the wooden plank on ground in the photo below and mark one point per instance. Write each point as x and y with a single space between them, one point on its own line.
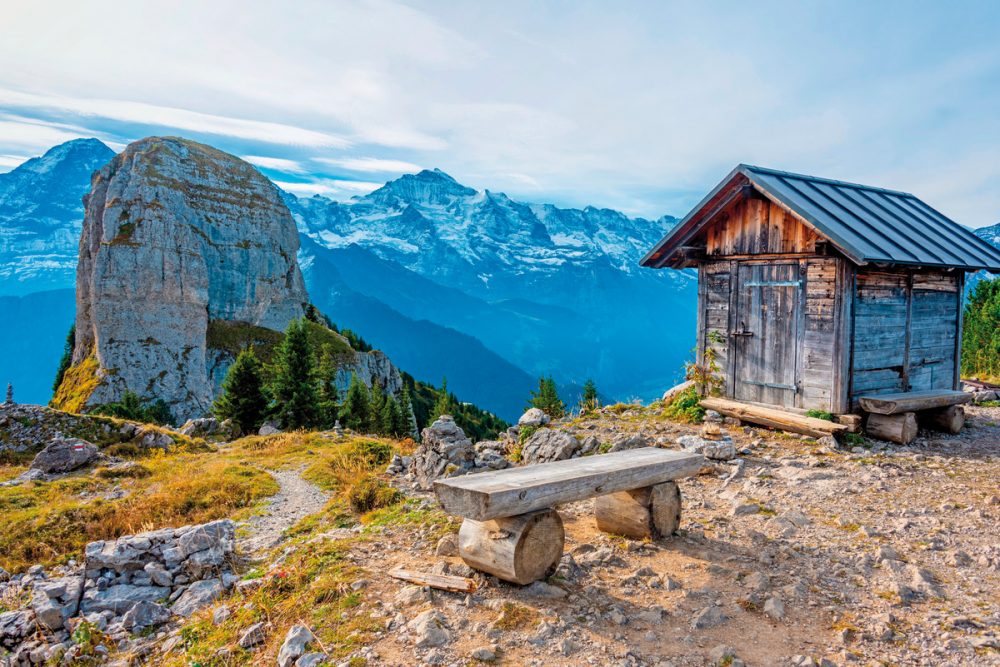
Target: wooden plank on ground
503 493
774 418
911 401
442 581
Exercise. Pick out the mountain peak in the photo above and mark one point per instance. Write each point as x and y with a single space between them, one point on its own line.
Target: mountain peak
91 151
428 185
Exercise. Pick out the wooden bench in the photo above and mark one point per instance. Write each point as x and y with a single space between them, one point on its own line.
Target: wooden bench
897 417
511 530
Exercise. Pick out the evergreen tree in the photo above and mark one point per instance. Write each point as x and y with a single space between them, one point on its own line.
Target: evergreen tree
445 403
354 410
294 385
243 398
376 405
981 332
328 395
405 425
67 358
389 417
547 398
589 399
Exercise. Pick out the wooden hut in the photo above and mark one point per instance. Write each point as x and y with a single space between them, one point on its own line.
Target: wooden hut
814 294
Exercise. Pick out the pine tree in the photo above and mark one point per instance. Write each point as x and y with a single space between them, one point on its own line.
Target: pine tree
67 358
354 409
405 426
294 385
389 417
243 398
444 405
547 398
981 332
377 403
589 400
328 395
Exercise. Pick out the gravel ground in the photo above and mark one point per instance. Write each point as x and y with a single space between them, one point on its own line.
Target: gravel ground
296 499
793 554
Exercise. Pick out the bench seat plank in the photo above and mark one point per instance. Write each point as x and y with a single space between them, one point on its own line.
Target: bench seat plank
913 401
503 493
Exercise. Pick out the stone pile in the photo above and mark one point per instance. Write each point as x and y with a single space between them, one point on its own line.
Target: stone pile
444 451
124 587
210 427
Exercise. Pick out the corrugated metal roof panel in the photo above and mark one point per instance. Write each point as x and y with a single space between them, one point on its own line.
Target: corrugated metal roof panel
868 224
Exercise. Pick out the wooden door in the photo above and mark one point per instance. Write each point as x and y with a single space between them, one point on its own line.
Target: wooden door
766 332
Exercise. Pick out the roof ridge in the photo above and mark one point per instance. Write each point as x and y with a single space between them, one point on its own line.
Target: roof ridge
821 179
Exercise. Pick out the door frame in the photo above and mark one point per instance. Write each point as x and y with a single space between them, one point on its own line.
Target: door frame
735 346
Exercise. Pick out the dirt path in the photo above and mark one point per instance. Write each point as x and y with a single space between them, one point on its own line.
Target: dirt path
296 499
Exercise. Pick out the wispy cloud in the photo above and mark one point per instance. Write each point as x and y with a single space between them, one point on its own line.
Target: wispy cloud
8 162
170 117
276 164
370 164
35 136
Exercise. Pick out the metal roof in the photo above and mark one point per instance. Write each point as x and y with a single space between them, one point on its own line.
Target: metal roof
869 225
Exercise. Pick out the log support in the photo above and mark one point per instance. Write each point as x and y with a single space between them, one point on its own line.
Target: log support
899 428
520 549
950 419
649 512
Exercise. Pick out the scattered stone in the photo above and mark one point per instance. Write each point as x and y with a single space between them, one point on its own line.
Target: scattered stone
311 660
253 635
775 608
745 509
719 450
197 595
296 642
221 615
708 617
545 590
430 629
447 545
144 615
268 428
484 654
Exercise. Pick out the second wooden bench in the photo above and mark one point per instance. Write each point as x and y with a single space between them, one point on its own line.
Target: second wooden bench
511 529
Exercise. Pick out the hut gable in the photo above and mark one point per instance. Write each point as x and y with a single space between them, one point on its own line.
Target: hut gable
865 224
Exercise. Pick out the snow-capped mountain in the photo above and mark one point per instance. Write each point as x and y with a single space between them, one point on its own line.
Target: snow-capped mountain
41 211
990 234
553 290
484 242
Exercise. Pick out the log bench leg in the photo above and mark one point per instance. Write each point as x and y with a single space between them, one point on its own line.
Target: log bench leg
899 428
520 549
652 511
949 420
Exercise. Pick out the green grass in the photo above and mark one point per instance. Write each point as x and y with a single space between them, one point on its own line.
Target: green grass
686 407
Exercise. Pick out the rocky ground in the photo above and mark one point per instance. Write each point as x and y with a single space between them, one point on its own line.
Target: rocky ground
793 552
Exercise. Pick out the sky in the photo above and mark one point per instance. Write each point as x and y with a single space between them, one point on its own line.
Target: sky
637 106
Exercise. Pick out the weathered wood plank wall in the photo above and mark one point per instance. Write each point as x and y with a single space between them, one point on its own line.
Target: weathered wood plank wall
755 226
905 331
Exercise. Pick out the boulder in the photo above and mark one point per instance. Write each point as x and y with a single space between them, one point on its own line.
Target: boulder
15 627
623 443
444 451
253 635
64 455
548 444
209 427
119 598
430 629
268 428
533 417
151 438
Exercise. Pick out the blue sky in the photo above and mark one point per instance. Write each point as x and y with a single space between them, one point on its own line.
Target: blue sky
637 106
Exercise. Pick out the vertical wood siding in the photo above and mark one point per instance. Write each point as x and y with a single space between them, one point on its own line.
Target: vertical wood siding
905 330
756 226
820 347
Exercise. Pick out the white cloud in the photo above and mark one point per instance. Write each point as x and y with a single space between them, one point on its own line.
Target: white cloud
370 164
333 188
275 163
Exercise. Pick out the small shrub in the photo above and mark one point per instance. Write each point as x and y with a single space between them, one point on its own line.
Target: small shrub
855 439
686 407
372 493
820 414
134 471
374 452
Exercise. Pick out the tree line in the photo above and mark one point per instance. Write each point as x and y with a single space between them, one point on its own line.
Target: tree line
298 390
981 332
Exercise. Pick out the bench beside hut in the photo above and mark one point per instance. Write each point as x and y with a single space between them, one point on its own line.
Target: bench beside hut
816 294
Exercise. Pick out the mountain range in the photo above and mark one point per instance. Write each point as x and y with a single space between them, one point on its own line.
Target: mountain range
449 281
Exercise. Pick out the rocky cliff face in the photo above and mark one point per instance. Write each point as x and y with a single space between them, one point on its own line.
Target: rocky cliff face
176 235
